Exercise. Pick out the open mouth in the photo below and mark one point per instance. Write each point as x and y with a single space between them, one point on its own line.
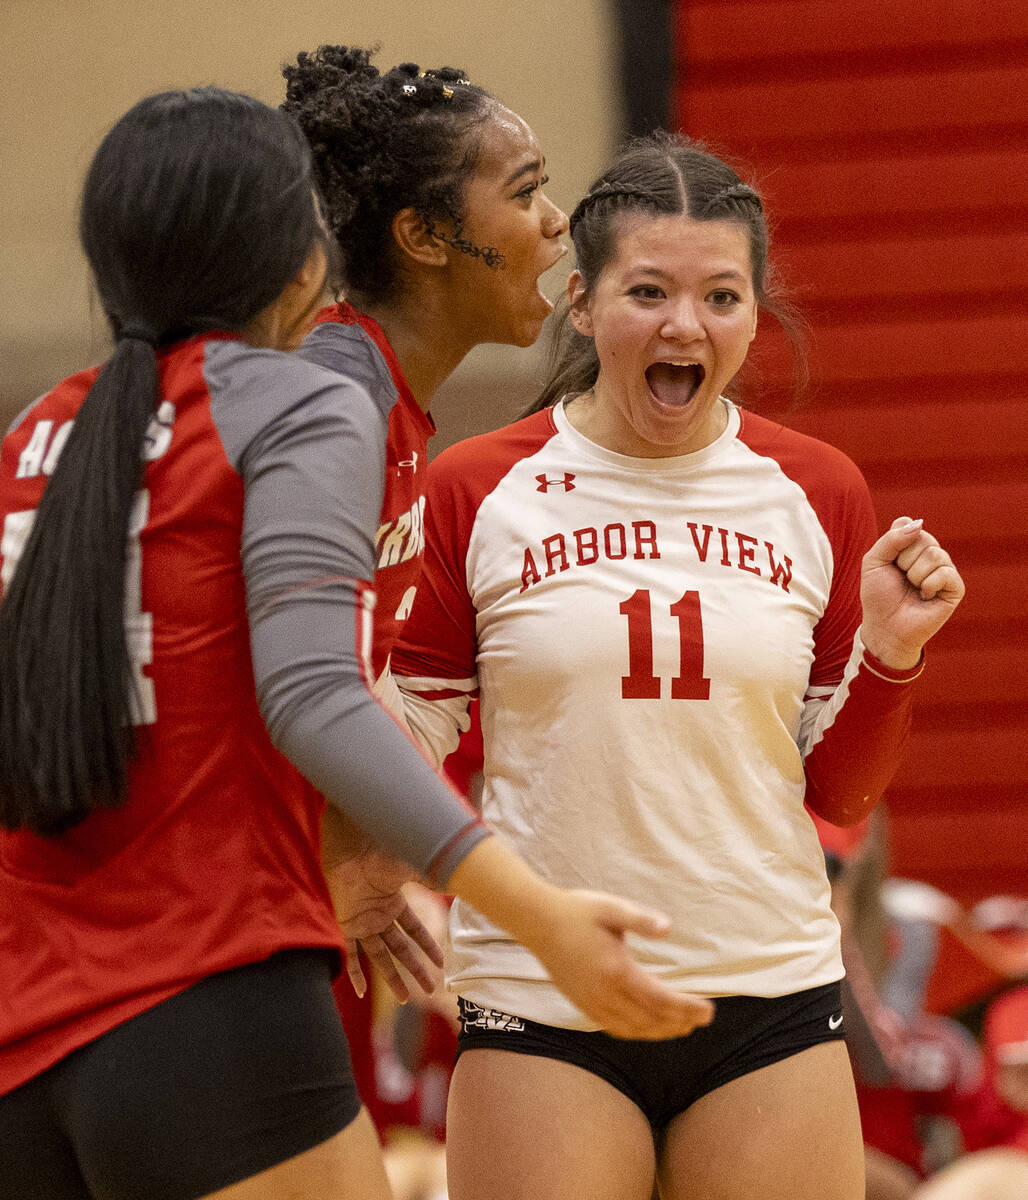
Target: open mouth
674 383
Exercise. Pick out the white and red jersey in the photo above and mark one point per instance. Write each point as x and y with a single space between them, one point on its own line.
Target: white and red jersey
668 665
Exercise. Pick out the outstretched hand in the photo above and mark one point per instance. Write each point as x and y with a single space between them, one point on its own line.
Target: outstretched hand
375 916
588 958
909 588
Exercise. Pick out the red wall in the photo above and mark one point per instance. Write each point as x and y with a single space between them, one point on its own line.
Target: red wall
888 138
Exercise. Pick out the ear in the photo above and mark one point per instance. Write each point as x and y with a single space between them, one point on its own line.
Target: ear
753 328
416 241
578 304
314 266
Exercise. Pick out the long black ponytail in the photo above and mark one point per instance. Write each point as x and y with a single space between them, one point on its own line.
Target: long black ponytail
197 211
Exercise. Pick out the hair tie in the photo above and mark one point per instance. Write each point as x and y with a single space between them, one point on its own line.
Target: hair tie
138 333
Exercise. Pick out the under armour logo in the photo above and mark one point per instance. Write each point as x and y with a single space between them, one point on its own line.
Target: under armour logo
411 462
566 481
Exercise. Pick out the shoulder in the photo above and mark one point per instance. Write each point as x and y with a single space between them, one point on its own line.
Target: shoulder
462 477
818 467
345 348
229 363
253 391
59 403
489 456
832 484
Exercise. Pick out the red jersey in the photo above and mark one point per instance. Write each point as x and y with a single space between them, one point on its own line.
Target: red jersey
249 599
352 344
214 860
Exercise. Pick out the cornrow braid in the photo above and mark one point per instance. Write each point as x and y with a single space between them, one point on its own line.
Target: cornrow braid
608 191
734 191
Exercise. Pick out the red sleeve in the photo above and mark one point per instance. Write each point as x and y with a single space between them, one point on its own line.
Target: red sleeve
852 764
868 705
439 639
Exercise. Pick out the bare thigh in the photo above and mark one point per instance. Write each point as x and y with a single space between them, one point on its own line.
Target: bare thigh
346 1167
790 1131
524 1127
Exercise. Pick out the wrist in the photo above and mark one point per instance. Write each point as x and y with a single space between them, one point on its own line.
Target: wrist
896 668
889 658
496 881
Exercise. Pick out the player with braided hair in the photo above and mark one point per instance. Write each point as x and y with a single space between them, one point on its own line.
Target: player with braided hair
434 192
682 630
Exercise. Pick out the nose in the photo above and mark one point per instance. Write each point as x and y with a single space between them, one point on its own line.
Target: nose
555 220
682 321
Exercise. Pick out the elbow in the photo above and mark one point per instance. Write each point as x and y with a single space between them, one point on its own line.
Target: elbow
841 810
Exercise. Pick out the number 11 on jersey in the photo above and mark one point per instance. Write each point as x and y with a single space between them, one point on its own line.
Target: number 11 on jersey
640 683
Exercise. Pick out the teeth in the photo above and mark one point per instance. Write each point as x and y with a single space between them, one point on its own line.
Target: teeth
676 362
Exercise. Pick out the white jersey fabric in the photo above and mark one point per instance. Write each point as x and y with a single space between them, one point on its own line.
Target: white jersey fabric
658 645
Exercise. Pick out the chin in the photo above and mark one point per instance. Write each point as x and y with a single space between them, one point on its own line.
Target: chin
521 334
527 337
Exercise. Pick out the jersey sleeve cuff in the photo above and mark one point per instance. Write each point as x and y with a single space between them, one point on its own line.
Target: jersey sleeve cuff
449 858
890 674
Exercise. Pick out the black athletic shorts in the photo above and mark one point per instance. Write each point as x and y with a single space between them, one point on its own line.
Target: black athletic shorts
664 1078
239 1072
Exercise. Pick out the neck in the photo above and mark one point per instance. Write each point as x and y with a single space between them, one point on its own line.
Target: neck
426 346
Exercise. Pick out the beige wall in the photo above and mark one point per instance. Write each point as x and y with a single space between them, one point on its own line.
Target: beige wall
70 68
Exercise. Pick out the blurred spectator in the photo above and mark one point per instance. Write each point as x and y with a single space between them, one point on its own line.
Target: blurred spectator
927 1092
987 1175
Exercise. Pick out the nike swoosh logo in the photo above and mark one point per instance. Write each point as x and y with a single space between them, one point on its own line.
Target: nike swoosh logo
835 1022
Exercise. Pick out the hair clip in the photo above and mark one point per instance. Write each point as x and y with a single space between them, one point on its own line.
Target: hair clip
447 93
409 89
466 82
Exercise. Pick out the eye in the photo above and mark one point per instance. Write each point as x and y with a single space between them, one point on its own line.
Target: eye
646 291
534 186
723 299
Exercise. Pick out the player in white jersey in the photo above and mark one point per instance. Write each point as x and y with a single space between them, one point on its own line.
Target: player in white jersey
682 631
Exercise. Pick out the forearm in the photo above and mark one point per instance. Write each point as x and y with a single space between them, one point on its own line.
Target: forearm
505 889
341 839
329 726
855 743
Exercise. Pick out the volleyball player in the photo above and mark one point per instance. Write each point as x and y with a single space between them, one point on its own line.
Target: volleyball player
682 629
187 557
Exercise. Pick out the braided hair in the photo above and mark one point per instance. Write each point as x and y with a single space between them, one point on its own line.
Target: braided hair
662 174
381 143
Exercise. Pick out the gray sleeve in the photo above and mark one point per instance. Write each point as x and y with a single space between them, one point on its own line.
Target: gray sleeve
347 350
313 478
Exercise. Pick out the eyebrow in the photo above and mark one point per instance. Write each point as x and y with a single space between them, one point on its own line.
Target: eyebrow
529 168
660 273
